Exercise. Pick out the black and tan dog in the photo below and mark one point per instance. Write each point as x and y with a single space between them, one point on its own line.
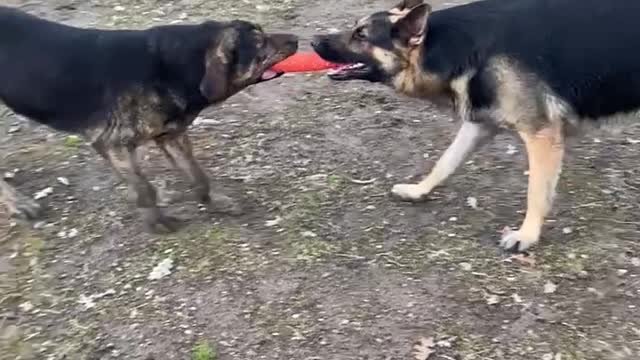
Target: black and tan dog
540 67
121 89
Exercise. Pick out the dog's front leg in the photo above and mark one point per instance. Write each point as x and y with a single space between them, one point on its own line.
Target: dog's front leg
470 137
545 150
19 205
179 151
141 192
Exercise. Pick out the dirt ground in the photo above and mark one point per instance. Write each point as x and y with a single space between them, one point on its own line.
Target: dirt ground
321 267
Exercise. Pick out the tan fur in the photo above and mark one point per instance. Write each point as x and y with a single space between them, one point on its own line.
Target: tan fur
545 150
386 58
413 81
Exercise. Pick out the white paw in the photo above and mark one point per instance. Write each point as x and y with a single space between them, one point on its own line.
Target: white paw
516 240
408 192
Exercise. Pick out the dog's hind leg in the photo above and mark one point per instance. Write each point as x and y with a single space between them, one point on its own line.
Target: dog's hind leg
19 205
545 150
470 137
179 151
124 160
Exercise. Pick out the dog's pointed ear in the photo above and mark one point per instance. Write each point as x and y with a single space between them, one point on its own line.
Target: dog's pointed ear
412 27
408 4
219 59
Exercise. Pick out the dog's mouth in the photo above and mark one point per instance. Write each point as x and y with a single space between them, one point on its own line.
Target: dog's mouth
269 74
351 71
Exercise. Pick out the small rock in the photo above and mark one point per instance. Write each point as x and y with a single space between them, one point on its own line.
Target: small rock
26 306
511 149
453 219
472 202
309 234
622 272
14 129
119 8
550 288
43 193
86 301
516 298
9 175
465 266
635 262
274 222
567 230
493 299
370 207
72 233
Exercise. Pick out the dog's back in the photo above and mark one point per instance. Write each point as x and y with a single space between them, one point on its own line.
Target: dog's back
61 75
586 51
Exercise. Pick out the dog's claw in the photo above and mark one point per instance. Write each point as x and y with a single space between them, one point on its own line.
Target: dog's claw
408 192
515 240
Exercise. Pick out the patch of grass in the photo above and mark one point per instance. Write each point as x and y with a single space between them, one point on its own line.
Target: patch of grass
309 250
335 182
73 141
204 351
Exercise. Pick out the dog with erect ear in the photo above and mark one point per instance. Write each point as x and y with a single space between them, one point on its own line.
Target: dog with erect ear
540 68
120 89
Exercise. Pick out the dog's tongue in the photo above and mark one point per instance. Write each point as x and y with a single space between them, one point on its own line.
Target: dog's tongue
269 74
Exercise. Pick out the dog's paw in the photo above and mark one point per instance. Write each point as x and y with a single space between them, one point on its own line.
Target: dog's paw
156 222
222 204
408 192
516 240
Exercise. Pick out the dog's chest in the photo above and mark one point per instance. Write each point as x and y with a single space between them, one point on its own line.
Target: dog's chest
152 113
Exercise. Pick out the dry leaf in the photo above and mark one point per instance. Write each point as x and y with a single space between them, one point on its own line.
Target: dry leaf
523 259
423 349
161 270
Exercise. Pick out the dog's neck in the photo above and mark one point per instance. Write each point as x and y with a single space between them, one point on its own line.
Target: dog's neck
413 80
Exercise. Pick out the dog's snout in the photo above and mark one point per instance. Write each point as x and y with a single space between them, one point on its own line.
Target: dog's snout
286 40
316 42
292 40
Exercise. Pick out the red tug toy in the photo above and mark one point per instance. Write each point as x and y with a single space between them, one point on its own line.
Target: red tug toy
303 62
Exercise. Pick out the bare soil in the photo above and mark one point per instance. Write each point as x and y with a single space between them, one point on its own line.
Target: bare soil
320 267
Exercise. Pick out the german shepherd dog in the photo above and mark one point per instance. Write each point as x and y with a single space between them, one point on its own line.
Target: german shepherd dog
121 89
542 68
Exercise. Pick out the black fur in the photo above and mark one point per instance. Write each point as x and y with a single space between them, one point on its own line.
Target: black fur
121 89
587 51
68 78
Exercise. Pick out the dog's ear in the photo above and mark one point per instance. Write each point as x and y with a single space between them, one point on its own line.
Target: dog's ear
408 4
219 60
411 28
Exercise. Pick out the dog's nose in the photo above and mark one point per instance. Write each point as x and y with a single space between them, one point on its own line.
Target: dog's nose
315 42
